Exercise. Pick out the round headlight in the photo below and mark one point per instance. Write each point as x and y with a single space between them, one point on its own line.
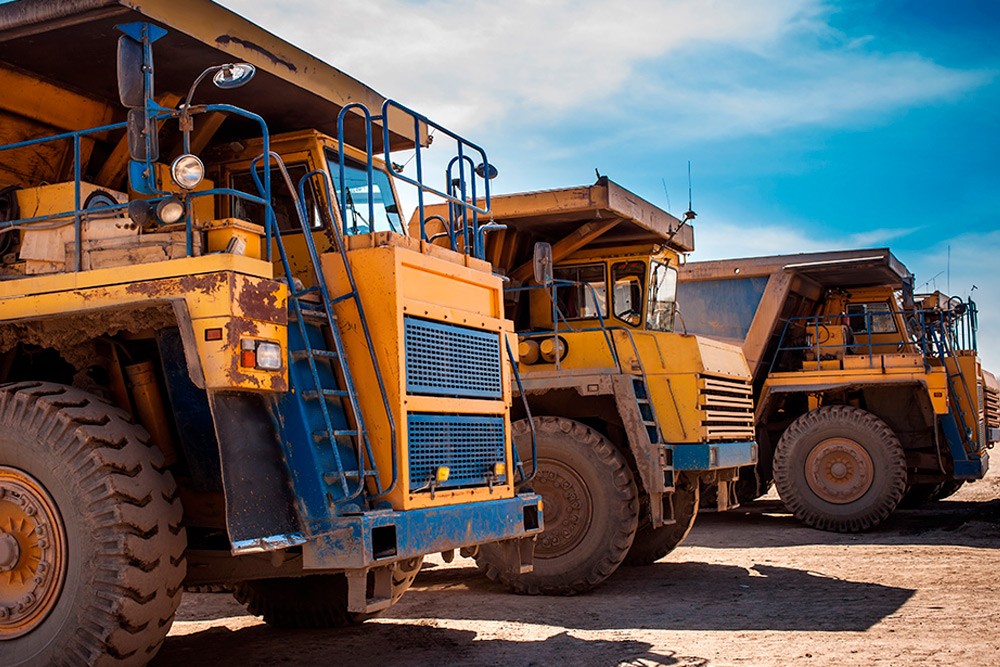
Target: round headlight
187 171
169 210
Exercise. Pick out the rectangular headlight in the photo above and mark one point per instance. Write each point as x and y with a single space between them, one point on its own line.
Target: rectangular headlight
268 356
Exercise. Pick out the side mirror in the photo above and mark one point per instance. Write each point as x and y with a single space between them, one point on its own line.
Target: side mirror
130 76
139 127
542 263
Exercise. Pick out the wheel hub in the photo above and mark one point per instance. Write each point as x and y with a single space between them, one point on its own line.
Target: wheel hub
839 470
32 553
568 508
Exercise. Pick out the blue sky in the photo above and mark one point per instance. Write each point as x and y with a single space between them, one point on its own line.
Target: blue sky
810 125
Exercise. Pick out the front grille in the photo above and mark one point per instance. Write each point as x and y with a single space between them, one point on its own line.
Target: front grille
448 360
468 445
726 408
991 413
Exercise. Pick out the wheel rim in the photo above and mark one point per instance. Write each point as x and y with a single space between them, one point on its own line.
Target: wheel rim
569 509
839 470
32 553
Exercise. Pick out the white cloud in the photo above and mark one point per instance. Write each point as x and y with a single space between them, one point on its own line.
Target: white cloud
703 68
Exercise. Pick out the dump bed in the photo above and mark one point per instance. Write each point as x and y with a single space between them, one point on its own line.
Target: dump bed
746 301
602 215
57 67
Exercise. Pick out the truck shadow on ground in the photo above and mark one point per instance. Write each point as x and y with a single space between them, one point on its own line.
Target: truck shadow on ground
766 523
404 644
670 596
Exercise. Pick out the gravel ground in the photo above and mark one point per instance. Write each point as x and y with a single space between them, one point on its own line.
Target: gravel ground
750 587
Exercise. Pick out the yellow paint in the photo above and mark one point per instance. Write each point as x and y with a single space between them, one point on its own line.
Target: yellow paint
395 280
220 233
219 291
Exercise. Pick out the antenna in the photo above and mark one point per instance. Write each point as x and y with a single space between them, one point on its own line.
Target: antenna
690 210
665 193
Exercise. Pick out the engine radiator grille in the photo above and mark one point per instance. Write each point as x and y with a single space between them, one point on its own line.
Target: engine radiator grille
448 360
468 445
726 407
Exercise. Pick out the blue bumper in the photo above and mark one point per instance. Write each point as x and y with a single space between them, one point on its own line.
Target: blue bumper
713 456
379 537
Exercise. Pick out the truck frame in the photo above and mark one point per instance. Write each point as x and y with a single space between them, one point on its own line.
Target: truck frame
868 395
633 419
222 359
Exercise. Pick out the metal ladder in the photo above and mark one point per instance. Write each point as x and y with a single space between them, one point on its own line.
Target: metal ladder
320 376
957 428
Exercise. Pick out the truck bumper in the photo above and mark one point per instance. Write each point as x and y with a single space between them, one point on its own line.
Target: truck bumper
382 537
713 456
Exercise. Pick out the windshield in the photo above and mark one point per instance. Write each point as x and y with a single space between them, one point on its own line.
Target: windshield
383 203
662 297
586 297
628 280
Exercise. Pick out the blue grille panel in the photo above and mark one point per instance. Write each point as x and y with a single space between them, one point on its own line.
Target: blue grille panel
447 360
468 445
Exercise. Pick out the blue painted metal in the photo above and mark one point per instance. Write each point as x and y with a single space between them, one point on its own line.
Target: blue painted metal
348 544
713 456
468 445
449 360
525 479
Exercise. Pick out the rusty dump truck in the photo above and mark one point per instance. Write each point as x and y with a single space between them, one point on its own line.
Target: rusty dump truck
868 395
223 362
633 417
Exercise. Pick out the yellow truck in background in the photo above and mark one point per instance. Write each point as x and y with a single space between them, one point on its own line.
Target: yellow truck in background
632 416
868 396
222 360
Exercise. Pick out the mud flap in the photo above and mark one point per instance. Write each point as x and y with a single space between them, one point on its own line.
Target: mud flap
518 555
260 506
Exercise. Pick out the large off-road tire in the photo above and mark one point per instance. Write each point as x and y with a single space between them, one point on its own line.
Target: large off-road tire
948 489
591 510
91 541
840 468
652 544
918 495
314 601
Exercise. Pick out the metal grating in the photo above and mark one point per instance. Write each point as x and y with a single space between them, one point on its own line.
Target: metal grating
468 445
448 360
726 408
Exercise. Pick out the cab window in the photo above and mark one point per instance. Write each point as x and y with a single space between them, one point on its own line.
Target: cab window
578 302
878 313
662 297
281 198
628 279
384 210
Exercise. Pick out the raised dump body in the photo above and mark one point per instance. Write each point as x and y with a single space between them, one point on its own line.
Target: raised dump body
222 359
633 418
867 395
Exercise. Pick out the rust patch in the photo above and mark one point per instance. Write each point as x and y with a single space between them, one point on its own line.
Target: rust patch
259 301
225 40
238 328
206 284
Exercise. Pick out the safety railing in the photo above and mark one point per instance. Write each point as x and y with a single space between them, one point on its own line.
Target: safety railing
467 183
934 333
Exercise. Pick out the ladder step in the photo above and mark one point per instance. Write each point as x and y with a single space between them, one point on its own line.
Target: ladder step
645 423
342 297
308 290
327 393
300 355
312 314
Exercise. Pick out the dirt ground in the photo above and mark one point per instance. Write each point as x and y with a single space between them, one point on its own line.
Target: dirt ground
750 587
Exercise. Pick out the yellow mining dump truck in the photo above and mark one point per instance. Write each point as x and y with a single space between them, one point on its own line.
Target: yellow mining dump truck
222 360
631 416
867 395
